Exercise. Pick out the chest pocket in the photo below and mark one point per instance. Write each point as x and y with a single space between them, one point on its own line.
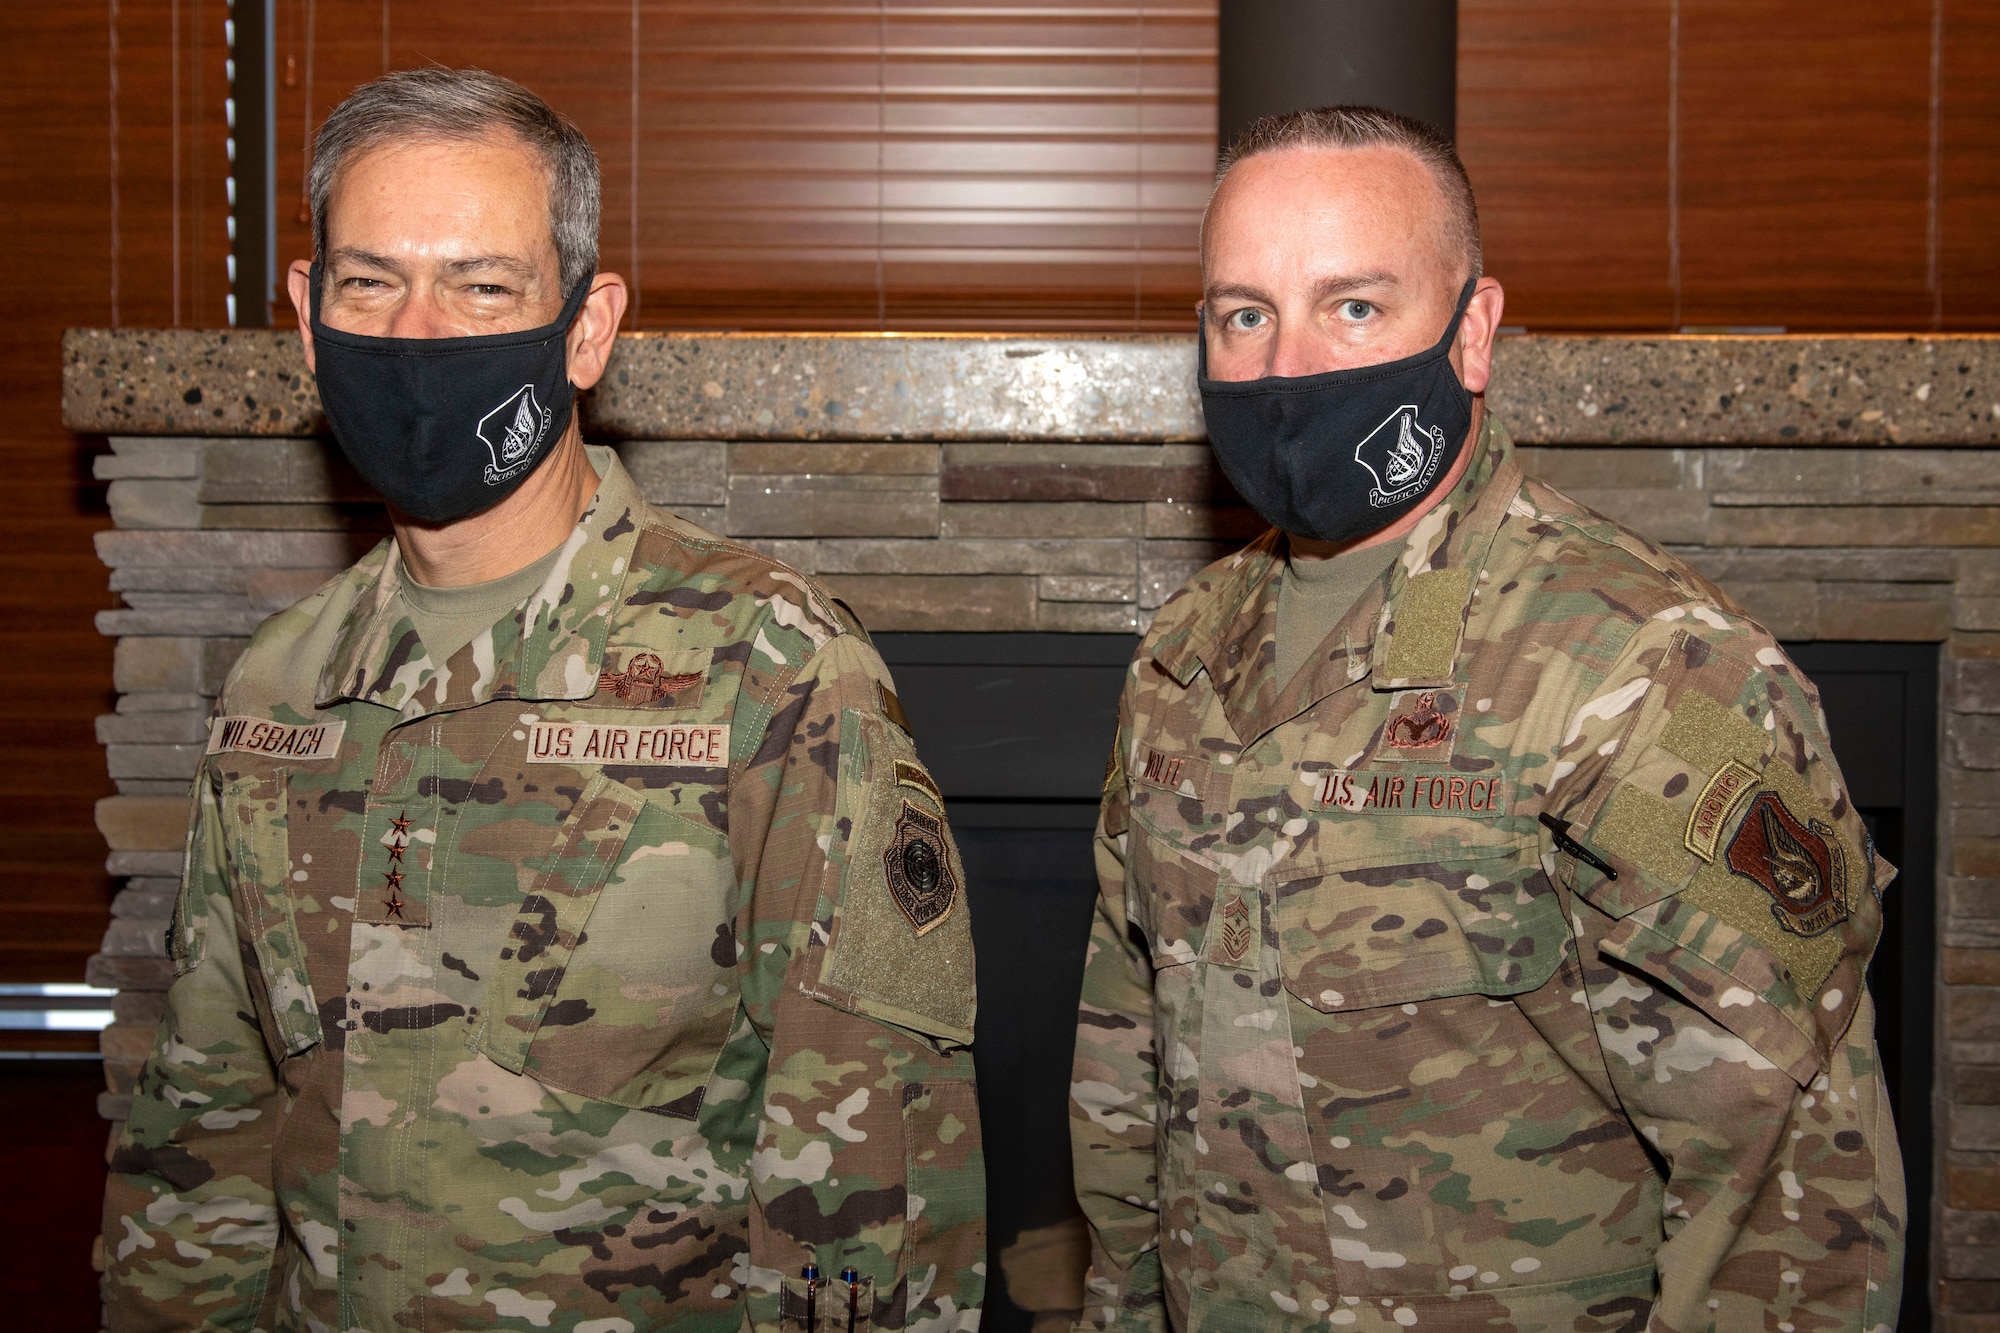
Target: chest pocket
617 981
1401 929
259 851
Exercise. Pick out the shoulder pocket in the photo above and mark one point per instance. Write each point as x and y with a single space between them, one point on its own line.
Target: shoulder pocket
187 930
258 845
900 948
1738 888
1485 922
615 983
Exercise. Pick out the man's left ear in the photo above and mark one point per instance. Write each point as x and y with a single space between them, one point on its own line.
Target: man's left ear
595 331
1476 333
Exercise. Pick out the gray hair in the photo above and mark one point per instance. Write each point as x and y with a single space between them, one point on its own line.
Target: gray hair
1367 127
462 105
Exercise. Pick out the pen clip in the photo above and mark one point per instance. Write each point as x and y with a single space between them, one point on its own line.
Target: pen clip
1565 843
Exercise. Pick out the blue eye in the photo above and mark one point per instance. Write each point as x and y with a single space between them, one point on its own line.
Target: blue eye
1247 319
1356 310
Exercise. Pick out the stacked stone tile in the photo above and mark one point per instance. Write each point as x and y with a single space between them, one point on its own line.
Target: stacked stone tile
1840 488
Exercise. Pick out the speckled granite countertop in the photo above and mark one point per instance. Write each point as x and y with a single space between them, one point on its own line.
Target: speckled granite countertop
1942 390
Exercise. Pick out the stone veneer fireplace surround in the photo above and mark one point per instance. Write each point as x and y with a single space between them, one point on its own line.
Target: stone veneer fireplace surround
1840 488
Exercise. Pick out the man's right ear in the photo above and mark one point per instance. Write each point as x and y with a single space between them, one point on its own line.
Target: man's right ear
298 285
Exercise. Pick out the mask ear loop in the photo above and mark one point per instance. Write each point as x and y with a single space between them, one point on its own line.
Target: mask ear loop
1458 315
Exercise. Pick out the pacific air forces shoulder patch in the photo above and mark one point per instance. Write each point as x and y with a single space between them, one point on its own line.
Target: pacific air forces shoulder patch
1799 864
919 876
899 946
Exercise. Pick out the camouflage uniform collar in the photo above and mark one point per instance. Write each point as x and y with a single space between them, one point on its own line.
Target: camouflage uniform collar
551 648
1404 633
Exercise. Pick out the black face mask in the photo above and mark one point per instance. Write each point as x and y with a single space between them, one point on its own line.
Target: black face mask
446 427
1344 454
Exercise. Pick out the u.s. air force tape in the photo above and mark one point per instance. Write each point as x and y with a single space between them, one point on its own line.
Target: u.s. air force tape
1410 793
302 741
704 744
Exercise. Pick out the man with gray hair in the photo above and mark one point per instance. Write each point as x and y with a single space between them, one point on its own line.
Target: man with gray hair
571 937
1483 920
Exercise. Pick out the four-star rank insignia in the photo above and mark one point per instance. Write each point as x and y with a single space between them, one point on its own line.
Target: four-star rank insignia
1801 865
919 869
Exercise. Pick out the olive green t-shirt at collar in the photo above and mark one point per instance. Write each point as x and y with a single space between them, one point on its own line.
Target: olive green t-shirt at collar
448 618
1315 594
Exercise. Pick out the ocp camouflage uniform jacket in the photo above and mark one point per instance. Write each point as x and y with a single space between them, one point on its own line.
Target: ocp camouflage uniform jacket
564 985
1362 1047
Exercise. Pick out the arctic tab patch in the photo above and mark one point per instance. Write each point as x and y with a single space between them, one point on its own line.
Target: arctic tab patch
702 745
304 742
1724 792
913 775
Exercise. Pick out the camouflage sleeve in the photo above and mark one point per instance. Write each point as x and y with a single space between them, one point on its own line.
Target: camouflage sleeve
1724 967
857 961
190 1225
1114 1090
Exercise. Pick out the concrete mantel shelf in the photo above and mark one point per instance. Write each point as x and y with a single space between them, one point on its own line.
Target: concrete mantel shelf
1866 389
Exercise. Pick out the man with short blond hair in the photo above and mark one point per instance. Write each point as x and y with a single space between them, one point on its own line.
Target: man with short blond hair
1483 919
571 937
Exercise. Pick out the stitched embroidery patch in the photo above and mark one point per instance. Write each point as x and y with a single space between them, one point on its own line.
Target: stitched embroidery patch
1404 793
1731 783
645 680
919 872
280 740
1800 865
1422 728
913 775
602 743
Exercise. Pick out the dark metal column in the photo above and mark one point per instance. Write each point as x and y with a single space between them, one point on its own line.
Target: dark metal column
253 164
1287 55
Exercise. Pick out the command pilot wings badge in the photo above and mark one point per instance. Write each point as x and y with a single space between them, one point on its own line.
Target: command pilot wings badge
1401 454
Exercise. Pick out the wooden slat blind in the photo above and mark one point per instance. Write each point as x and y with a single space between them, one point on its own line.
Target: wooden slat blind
845 165
1041 164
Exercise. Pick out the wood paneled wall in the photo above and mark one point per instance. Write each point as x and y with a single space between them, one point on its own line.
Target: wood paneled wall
1660 164
841 165
804 164
55 670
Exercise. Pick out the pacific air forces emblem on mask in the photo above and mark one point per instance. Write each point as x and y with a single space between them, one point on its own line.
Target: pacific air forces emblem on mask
919 869
1402 454
512 432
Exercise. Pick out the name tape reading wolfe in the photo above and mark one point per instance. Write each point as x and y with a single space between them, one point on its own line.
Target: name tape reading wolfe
1441 794
695 743
281 740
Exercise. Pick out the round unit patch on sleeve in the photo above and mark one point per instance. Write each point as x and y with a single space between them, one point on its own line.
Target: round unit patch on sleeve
920 877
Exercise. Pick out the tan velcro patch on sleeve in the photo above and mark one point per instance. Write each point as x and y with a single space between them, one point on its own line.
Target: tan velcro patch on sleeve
901 949
1709 735
1645 831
